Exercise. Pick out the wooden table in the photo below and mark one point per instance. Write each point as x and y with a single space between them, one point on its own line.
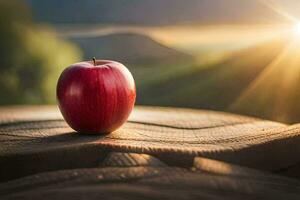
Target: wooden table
160 153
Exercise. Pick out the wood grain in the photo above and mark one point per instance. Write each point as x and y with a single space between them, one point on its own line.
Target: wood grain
170 141
207 179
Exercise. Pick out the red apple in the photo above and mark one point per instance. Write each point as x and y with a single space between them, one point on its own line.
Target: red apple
96 96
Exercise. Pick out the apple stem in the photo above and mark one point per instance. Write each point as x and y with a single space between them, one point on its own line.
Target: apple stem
94 60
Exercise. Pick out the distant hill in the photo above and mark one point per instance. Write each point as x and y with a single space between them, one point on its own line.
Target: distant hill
129 48
215 87
153 12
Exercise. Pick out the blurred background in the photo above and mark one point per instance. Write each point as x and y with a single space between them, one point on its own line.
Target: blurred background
241 56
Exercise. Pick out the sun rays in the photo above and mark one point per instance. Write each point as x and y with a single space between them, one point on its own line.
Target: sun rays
274 92
279 10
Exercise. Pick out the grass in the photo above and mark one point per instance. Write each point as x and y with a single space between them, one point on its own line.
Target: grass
215 87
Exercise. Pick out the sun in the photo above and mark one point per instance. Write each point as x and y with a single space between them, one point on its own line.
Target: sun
297 28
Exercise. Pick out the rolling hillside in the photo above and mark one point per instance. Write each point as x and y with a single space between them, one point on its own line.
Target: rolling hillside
130 48
215 87
178 80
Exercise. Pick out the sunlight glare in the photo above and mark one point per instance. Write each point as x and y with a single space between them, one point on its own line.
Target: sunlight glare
297 28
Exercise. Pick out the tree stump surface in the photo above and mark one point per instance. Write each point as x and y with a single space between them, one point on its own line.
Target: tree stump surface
160 153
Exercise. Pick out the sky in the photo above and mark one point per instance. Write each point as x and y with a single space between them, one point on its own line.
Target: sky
162 12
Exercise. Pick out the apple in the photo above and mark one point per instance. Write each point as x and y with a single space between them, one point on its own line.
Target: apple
96 96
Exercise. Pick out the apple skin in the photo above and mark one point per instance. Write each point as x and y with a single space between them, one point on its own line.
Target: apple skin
96 97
